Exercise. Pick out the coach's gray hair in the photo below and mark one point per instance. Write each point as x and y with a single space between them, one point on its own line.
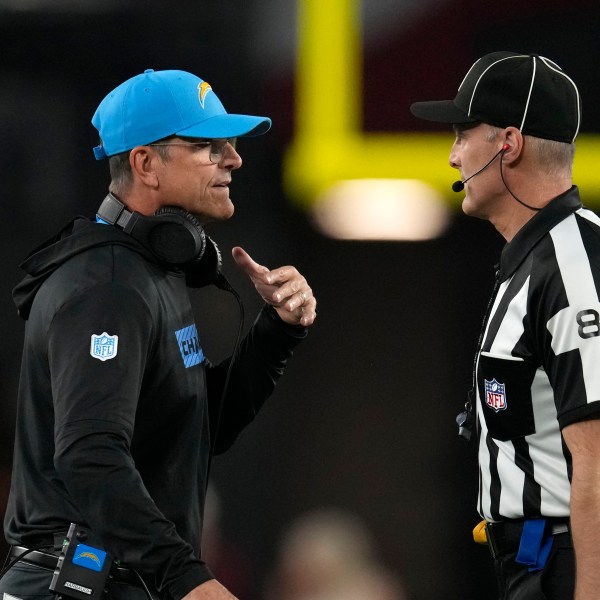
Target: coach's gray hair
120 169
554 158
120 173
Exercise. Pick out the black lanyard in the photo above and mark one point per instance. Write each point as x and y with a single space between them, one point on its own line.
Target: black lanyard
466 419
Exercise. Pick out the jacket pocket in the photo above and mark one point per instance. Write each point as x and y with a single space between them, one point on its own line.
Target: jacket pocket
505 393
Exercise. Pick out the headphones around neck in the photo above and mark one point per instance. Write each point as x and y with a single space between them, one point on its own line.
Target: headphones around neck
173 235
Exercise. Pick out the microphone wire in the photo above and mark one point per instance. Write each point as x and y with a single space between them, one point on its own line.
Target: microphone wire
459 186
534 208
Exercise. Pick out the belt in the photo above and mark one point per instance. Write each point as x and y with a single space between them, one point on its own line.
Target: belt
505 537
49 561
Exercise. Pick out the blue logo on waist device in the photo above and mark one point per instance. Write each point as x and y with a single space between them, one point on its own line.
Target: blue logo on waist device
89 557
189 346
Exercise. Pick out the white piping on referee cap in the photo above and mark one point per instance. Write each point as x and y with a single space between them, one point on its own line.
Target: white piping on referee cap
529 95
481 76
558 70
551 65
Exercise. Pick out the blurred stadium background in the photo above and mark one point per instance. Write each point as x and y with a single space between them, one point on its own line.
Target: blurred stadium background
364 420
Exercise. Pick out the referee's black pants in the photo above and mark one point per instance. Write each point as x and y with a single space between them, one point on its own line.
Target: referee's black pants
556 581
31 582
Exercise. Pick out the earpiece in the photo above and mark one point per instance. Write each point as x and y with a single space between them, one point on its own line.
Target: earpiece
173 235
505 147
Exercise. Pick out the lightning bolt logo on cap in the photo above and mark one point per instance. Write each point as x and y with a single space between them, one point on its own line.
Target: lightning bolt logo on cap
203 89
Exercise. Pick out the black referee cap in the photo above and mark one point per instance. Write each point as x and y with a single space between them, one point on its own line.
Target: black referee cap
505 89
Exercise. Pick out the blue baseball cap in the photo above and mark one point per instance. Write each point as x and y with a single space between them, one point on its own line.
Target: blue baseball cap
157 104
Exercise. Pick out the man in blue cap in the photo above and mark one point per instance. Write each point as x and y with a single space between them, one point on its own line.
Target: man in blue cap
119 410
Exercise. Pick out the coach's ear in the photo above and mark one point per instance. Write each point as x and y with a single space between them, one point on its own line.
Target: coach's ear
144 162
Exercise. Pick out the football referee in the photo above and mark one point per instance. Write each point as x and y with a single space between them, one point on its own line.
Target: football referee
535 405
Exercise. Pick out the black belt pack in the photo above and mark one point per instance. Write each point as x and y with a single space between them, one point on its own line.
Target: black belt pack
82 568
531 539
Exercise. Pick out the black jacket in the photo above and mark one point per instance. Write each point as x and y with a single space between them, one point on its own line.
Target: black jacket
116 399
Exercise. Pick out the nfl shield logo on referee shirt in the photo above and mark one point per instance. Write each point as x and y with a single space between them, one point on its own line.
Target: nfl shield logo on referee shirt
495 395
104 346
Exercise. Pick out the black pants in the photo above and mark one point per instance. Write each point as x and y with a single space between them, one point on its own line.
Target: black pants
30 582
555 582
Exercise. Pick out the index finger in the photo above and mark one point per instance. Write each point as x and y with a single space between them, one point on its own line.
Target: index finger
245 262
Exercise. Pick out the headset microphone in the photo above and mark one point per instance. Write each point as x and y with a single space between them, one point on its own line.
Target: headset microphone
459 186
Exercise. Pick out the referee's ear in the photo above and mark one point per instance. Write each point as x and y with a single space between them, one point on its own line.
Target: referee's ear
512 144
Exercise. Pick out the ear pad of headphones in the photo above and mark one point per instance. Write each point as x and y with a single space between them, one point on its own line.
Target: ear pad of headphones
181 239
176 236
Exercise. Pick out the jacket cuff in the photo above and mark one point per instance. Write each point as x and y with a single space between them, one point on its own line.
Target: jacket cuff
295 331
194 576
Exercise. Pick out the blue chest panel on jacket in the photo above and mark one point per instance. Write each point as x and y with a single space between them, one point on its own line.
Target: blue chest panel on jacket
189 346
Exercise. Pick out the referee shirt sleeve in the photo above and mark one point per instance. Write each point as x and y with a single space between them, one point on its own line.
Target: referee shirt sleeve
572 305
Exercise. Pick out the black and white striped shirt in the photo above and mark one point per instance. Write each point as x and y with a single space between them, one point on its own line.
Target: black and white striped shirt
538 368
